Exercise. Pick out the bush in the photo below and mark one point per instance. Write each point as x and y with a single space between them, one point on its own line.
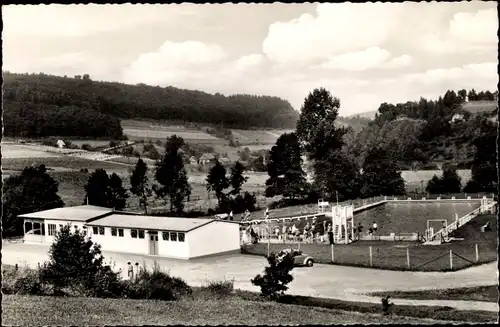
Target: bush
113 144
77 265
86 147
220 288
156 285
276 276
24 281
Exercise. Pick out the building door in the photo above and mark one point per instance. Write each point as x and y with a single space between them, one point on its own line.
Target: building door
153 243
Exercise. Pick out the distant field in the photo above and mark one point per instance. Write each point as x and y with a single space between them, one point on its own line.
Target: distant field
415 179
61 162
143 130
13 151
480 106
257 136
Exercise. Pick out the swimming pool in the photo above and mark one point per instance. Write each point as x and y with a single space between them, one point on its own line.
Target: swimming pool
394 217
398 217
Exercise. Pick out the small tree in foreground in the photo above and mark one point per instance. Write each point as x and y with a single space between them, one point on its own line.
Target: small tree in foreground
276 276
76 264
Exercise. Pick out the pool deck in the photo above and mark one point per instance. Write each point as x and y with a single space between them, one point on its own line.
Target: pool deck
369 206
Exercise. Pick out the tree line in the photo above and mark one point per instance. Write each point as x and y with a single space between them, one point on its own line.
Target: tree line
149 102
341 172
29 119
417 133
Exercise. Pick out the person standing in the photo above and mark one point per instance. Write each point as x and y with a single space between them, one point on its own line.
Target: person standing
231 215
374 226
359 230
330 233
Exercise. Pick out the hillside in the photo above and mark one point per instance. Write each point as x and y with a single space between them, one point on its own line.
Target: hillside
475 107
146 102
367 114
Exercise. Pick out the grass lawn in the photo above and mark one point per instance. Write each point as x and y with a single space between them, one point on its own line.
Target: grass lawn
392 255
480 293
36 310
237 309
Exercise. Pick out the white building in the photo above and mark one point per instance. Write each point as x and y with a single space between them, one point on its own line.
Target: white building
173 237
60 144
41 226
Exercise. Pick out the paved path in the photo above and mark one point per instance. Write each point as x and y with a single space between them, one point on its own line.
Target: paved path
337 282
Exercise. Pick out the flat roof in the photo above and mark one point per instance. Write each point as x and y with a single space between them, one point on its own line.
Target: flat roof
151 222
78 213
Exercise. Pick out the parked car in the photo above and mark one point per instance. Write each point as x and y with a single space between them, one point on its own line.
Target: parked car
300 258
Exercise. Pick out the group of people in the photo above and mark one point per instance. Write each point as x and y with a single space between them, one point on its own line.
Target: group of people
311 232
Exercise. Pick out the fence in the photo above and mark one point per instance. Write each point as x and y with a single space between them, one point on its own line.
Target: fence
389 256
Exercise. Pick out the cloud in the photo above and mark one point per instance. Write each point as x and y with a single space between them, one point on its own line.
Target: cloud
337 28
175 62
249 61
465 32
81 20
398 62
358 61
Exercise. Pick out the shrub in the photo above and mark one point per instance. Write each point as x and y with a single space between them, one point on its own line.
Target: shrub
220 288
276 276
112 144
386 305
156 285
77 265
86 147
24 281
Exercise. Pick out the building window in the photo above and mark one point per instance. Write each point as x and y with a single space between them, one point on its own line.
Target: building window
141 234
95 230
133 233
28 226
37 229
52 229
173 237
120 232
101 230
166 236
180 237
113 231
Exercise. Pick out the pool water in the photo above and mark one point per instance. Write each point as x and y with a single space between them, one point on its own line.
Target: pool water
412 217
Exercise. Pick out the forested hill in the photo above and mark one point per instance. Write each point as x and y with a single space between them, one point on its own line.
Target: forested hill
151 102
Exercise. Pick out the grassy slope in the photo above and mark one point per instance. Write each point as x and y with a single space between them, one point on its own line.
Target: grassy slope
392 255
480 293
34 310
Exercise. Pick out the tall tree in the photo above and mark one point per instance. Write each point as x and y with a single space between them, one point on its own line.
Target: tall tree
339 175
450 182
236 180
380 175
139 183
484 165
316 125
105 191
217 181
32 190
171 175
286 175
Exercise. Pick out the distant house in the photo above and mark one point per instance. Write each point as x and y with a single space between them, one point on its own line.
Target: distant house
456 118
225 161
193 161
60 144
207 159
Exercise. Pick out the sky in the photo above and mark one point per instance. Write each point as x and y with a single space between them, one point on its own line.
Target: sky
363 53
